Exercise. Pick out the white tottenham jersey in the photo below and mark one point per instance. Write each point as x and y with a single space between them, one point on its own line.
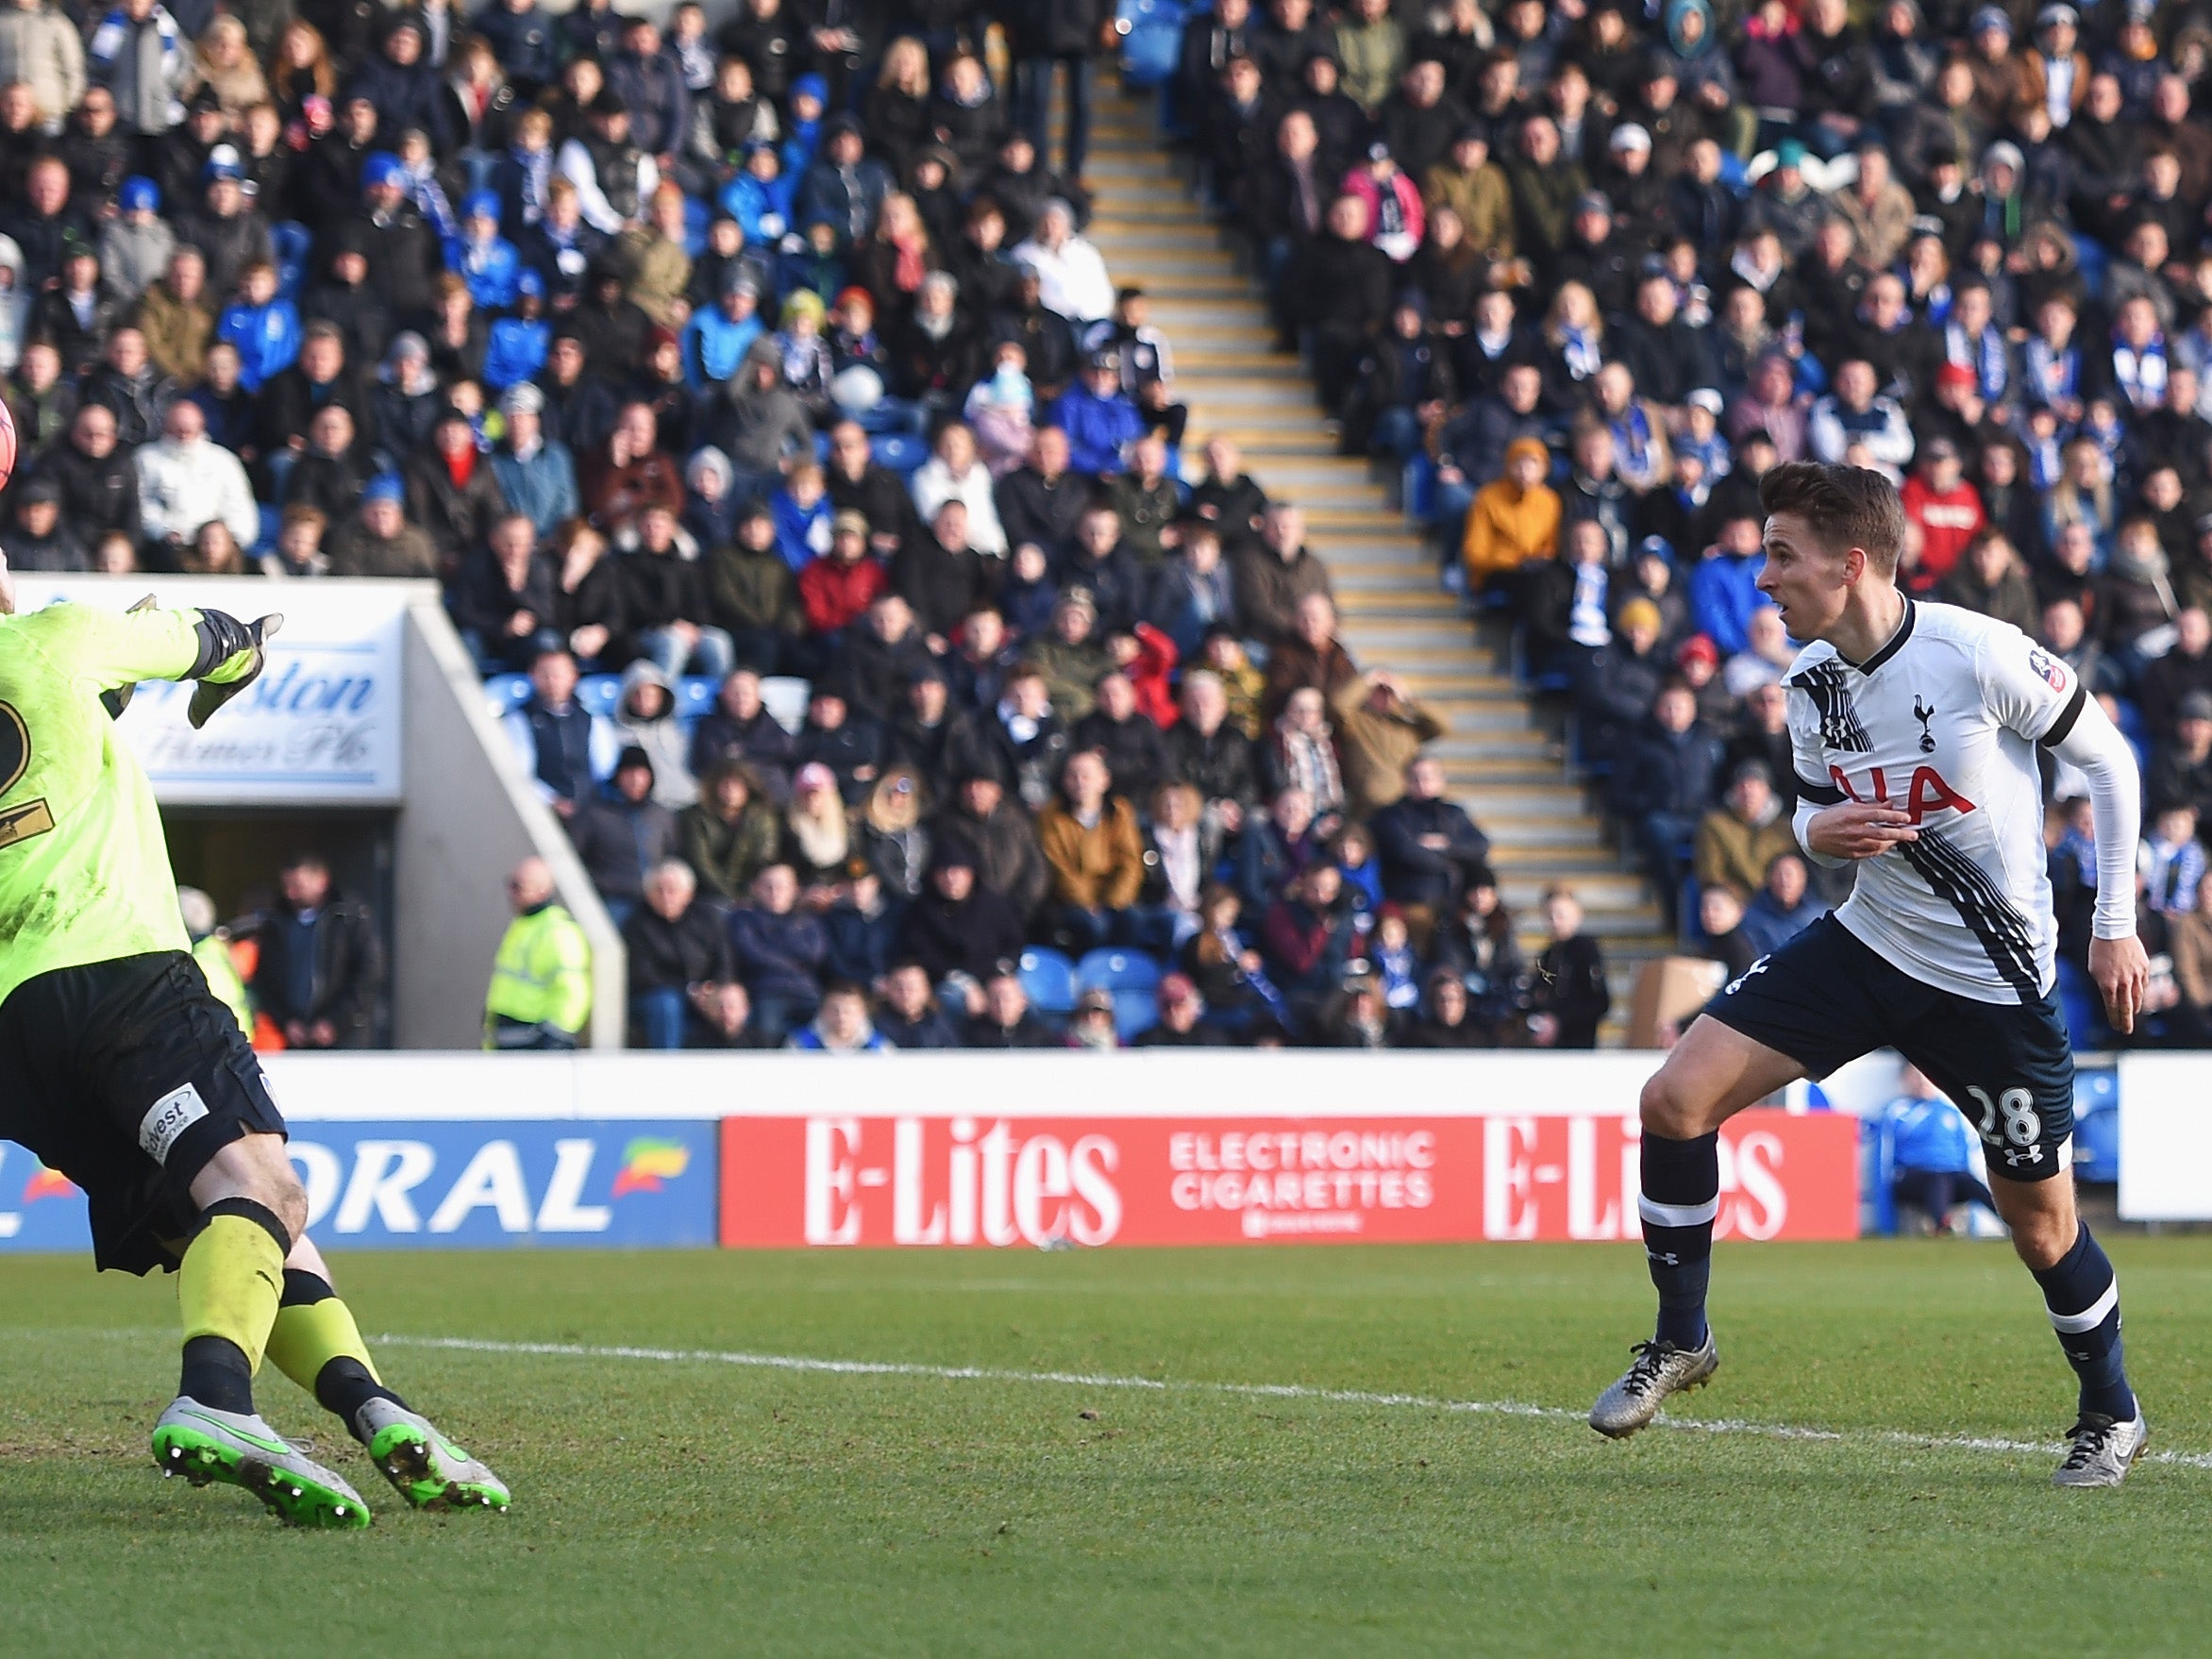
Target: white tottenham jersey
1943 723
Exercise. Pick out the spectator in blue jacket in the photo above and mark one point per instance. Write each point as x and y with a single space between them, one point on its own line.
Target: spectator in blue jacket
1723 589
263 324
779 950
760 197
717 336
1100 422
515 347
1781 909
536 475
1932 1152
487 261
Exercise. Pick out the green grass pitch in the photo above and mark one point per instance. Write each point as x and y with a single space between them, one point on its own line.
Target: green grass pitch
697 1506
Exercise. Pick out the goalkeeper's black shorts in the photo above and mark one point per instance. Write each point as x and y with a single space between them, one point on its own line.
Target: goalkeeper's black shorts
128 1077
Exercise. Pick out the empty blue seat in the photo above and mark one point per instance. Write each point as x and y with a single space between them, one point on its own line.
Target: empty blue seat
1151 39
1117 971
1418 485
1134 1013
2096 1146
290 243
696 695
899 452
1048 978
599 693
506 693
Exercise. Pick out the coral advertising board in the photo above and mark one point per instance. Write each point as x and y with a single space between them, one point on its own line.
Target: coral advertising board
972 1179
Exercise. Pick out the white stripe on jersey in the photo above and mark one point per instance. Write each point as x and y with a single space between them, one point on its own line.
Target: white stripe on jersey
1942 723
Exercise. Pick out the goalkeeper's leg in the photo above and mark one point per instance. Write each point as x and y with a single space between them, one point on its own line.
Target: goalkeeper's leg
228 1283
315 1342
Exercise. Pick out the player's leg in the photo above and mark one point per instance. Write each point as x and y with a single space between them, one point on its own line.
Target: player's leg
2010 1068
1803 1011
317 1343
1713 1073
250 1206
2081 1292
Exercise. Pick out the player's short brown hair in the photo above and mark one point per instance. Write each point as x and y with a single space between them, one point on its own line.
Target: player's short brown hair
1845 506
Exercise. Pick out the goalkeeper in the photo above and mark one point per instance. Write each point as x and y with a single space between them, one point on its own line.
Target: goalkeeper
120 1068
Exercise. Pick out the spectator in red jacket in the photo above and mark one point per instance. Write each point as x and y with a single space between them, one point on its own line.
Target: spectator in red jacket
1942 513
837 586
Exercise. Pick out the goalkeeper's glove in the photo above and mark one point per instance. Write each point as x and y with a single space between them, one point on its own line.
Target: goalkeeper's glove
207 696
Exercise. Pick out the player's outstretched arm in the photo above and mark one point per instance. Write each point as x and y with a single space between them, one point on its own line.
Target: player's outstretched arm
2117 961
115 650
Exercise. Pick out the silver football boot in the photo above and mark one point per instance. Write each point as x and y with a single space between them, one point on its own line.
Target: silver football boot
2102 1451
428 1470
1660 1369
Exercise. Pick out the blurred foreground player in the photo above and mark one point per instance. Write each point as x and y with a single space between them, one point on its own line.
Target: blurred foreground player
120 1068
1914 730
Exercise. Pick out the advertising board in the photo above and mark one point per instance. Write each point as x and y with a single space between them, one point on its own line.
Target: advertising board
321 725
947 1179
401 1185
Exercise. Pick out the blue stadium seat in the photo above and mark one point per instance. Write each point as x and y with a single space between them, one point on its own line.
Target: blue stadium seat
900 452
1049 979
1117 971
599 693
291 242
1418 487
506 693
1151 39
2078 1004
696 695
1134 1013
2092 261
2096 1146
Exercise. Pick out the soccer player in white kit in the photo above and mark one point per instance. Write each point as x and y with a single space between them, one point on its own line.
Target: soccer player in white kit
1914 730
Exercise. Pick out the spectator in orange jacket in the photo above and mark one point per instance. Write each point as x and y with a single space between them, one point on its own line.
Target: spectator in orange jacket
1515 519
1090 840
837 586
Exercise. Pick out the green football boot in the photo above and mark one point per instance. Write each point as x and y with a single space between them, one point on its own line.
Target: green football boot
428 1469
204 1444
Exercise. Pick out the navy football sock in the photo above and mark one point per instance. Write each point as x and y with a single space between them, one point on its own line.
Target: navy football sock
1680 1196
2083 1296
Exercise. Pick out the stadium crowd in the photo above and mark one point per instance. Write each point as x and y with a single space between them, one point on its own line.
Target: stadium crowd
769 349
1589 270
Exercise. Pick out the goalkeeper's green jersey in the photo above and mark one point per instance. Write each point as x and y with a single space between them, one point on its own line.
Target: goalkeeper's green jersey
84 866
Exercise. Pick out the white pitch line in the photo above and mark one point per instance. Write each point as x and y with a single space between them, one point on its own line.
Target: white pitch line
1496 1408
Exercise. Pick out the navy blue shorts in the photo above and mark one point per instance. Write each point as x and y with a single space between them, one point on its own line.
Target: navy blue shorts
1826 998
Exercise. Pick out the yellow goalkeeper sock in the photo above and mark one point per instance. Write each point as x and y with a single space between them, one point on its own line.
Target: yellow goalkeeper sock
314 1326
316 1344
227 1288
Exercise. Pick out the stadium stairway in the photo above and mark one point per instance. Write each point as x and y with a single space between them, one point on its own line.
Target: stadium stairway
1501 753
